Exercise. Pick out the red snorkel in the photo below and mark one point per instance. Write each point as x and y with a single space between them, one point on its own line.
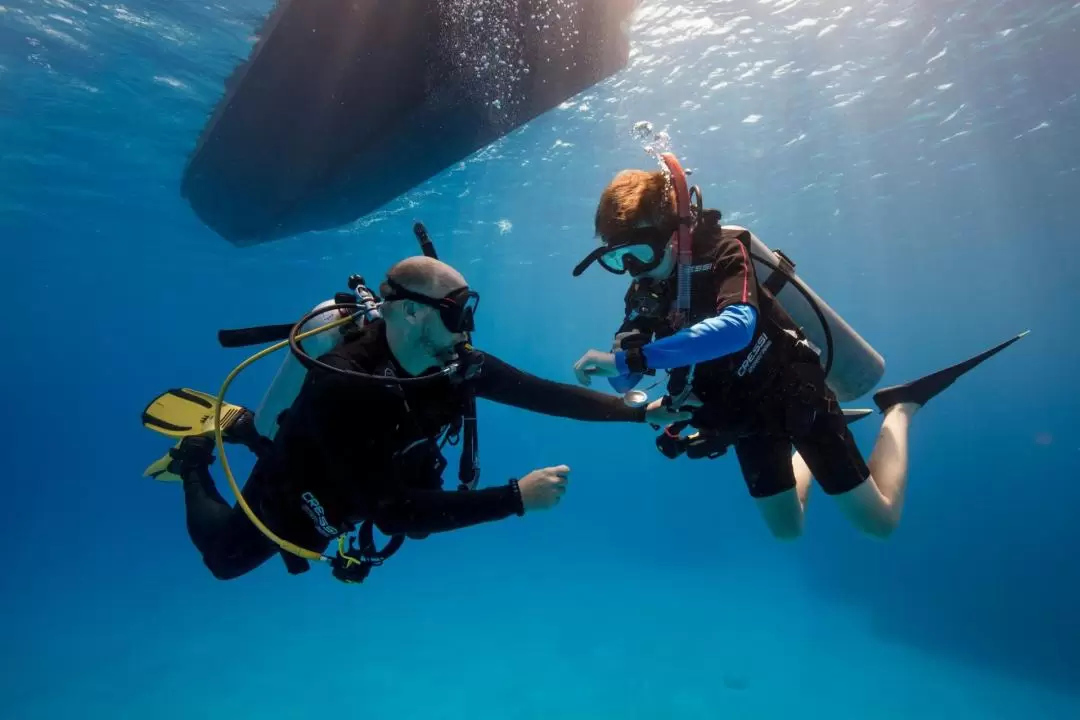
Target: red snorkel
681 238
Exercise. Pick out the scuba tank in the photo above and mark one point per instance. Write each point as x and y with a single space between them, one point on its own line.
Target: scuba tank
853 367
361 304
291 374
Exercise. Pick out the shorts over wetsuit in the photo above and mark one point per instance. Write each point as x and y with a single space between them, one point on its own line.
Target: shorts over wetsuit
760 382
347 452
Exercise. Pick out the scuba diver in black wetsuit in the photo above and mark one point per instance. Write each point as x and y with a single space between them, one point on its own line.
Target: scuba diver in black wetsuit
698 308
361 442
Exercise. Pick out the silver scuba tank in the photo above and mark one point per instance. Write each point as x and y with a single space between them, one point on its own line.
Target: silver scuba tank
854 367
290 376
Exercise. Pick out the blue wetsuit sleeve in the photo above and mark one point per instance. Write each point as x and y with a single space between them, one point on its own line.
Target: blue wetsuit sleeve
626 381
727 333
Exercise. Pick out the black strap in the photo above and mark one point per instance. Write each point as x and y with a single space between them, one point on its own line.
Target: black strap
780 275
635 360
366 547
261 335
266 334
783 267
469 465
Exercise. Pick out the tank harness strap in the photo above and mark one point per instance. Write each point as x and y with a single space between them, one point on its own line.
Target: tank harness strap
472 365
780 276
260 335
469 464
265 334
464 430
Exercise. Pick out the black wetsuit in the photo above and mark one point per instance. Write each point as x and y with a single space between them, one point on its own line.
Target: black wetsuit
767 397
347 452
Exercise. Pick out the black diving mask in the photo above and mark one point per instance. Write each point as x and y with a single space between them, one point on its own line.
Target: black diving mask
457 309
635 251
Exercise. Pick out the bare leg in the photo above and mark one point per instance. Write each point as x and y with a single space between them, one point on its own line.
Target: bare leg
875 506
767 469
803 478
785 513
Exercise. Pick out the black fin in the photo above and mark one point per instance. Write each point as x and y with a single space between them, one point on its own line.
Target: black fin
925 389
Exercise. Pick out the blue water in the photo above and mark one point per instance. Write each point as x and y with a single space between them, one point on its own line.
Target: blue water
919 160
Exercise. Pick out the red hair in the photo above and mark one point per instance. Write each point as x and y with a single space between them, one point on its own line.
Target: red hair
633 197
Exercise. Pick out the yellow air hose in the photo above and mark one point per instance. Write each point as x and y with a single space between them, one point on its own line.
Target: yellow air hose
219 439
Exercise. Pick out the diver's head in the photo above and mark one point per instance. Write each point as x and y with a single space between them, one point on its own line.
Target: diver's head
635 221
428 310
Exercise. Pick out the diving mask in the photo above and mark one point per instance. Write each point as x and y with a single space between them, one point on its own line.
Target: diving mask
635 251
457 309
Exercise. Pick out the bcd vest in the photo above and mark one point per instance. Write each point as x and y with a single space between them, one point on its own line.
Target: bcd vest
736 388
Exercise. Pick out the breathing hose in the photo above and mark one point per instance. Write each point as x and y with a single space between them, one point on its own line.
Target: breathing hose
219 439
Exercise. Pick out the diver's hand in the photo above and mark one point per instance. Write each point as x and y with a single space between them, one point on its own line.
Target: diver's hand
597 363
542 489
661 415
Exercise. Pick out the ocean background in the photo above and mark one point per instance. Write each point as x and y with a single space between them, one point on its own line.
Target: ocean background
918 159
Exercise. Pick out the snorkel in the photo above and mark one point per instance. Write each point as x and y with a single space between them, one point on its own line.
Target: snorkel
681 239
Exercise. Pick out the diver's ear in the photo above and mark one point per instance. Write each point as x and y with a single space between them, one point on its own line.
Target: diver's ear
412 311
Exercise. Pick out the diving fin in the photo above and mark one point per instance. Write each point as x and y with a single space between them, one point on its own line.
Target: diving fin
924 389
159 469
191 452
181 412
